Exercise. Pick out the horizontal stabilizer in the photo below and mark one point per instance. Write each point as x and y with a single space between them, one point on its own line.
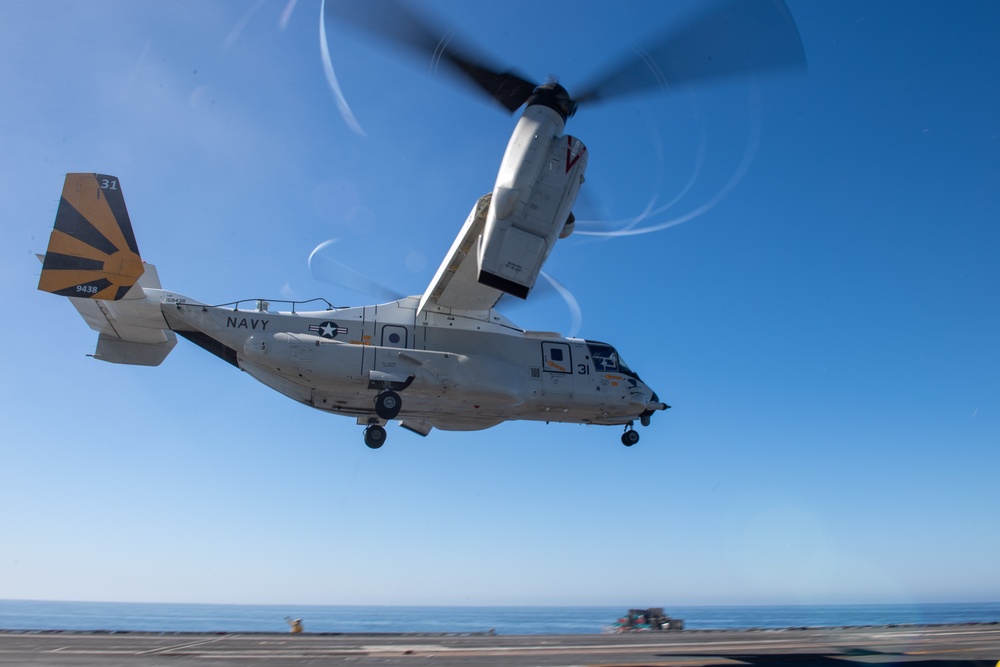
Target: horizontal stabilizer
118 351
133 330
92 252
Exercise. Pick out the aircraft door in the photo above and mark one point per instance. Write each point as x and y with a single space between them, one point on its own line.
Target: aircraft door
557 369
387 360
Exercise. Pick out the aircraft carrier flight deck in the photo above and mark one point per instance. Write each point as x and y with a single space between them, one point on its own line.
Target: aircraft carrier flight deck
973 645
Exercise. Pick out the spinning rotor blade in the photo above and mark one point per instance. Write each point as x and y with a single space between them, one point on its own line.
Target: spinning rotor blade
732 38
324 267
396 24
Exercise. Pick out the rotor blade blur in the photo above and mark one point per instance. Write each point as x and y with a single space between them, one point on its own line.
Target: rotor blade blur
736 37
325 268
544 291
396 24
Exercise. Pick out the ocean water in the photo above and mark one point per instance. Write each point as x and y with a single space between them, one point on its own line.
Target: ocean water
121 616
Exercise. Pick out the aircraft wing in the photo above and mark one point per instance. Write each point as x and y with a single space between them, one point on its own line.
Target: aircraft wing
455 285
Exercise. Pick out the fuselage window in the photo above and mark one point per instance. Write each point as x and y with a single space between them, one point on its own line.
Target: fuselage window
556 358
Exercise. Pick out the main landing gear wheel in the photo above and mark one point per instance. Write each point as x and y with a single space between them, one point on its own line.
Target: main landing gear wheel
630 437
375 436
388 405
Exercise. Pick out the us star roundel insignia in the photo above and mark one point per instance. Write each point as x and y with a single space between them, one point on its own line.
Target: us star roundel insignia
327 329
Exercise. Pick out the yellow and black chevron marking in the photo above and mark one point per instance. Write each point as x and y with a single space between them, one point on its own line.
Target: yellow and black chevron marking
92 252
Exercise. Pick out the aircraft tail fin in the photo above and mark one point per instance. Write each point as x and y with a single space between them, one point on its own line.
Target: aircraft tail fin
92 258
92 251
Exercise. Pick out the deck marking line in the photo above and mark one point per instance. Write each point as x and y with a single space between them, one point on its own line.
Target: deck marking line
177 647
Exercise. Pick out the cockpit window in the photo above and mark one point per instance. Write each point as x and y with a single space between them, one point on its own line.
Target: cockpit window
605 357
623 366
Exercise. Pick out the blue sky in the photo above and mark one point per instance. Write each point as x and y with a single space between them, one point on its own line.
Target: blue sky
825 324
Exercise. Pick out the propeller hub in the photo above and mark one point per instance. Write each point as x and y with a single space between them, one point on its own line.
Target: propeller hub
555 97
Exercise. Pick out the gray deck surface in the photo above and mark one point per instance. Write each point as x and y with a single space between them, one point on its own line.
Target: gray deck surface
917 646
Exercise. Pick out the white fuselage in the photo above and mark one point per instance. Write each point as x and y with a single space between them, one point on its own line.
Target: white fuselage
452 372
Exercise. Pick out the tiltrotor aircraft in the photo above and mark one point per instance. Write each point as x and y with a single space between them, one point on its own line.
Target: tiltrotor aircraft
445 359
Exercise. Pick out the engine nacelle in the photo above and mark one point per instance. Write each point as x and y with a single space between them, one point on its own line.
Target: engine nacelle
539 179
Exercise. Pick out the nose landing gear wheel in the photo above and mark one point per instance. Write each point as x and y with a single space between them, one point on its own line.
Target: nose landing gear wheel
388 404
375 436
629 438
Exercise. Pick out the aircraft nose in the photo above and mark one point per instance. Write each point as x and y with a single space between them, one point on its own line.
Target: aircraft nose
652 406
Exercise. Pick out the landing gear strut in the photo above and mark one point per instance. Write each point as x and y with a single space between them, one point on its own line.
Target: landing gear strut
630 436
374 436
